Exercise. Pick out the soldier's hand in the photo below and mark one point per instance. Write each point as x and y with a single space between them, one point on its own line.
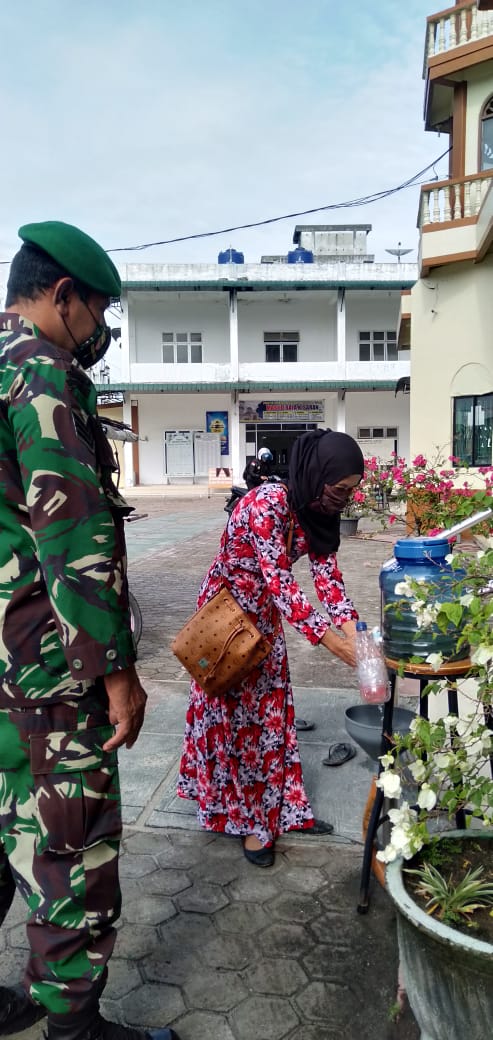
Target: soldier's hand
127 702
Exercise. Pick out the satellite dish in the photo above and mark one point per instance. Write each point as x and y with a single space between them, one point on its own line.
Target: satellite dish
398 252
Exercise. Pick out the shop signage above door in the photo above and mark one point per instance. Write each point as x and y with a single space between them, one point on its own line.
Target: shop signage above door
281 411
111 397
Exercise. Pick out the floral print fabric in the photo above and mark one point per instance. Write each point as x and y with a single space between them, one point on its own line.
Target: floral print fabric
240 757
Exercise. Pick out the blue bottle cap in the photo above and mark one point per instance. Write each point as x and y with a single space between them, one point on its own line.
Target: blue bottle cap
361 626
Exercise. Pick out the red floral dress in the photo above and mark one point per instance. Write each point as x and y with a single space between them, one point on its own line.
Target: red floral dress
240 755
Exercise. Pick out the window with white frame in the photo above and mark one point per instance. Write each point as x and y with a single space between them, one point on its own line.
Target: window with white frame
281 346
378 346
376 433
182 348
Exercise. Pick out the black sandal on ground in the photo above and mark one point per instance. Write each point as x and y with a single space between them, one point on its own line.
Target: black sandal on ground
339 754
301 725
319 827
259 857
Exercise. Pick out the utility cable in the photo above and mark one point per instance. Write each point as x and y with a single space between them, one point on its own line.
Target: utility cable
364 200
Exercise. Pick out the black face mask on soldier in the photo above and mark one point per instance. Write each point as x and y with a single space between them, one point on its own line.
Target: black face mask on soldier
92 349
332 500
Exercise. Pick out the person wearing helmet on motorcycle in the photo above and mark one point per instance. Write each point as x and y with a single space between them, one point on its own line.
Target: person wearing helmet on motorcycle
258 470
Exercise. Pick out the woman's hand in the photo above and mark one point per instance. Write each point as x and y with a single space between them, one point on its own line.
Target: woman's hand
343 646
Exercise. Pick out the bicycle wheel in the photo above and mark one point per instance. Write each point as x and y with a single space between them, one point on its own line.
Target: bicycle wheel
135 617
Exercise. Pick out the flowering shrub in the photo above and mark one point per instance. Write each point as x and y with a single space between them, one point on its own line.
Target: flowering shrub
450 767
356 506
435 495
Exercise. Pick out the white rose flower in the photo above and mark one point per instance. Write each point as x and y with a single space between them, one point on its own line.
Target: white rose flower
390 784
400 839
427 798
449 557
402 588
387 760
387 855
463 726
403 815
482 654
435 660
418 770
444 760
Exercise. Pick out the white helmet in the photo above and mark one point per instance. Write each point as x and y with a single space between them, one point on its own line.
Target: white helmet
265 455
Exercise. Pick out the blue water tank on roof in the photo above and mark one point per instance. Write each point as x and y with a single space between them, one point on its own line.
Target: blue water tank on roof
300 256
230 256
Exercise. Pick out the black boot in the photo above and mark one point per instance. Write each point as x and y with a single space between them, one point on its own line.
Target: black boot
91 1026
17 1011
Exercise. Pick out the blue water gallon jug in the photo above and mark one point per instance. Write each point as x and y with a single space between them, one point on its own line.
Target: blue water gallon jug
417 558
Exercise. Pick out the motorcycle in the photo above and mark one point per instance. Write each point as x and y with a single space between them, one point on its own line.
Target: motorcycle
256 473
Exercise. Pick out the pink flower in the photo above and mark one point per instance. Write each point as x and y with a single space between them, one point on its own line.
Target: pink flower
419 461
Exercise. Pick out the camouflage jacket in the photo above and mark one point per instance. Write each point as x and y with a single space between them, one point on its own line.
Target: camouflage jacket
64 617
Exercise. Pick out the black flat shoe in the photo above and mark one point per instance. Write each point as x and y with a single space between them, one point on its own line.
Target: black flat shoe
260 857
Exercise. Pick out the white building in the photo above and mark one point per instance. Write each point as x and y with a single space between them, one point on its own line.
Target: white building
218 359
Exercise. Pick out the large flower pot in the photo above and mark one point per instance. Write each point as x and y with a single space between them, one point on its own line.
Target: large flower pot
448 975
349 525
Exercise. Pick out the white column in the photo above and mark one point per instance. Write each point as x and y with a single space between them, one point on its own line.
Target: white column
125 378
233 335
341 326
341 411
125 341
234 434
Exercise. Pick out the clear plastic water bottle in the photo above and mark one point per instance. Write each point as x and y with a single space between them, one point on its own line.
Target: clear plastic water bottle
372 674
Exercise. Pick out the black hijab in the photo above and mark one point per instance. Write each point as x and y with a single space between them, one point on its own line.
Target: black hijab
320 457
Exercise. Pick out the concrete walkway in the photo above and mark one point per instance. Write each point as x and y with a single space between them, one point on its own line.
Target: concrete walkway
207 942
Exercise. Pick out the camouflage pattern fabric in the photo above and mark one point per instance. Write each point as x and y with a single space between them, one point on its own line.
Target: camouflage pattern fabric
64 623
60 823
64 615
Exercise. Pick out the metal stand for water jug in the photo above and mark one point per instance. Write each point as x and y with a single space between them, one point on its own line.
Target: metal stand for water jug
450 673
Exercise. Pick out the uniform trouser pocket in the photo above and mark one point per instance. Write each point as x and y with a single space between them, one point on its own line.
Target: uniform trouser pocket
76 788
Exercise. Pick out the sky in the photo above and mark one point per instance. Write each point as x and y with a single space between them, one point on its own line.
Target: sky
144 120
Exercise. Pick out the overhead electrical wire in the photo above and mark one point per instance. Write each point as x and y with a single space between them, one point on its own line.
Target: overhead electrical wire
364 200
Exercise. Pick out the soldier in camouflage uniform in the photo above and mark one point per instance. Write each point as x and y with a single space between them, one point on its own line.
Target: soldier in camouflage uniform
69 692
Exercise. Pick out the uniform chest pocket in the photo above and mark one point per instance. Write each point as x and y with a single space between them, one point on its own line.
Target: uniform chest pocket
77 789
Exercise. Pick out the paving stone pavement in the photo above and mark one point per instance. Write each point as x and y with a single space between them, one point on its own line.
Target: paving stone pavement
207 942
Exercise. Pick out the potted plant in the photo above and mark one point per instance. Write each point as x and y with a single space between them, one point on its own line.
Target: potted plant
352 513
444 895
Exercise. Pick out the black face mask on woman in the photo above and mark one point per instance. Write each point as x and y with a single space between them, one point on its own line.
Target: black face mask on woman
332 500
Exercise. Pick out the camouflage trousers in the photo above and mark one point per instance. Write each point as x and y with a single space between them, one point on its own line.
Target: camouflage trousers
60 824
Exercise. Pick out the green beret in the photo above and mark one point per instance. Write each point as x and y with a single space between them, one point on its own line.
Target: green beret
77 253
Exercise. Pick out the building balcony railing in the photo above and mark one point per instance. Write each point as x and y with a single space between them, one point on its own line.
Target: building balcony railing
268 374
455 220
455 27
459 198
